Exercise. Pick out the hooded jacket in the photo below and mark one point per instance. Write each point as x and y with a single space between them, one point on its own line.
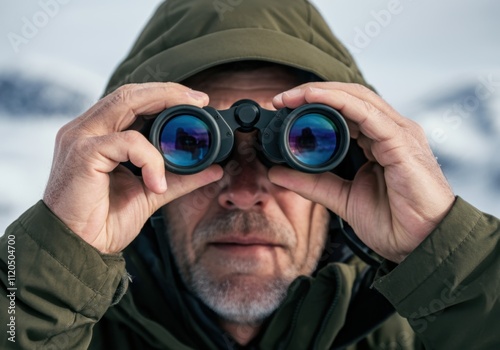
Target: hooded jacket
69 296
186 37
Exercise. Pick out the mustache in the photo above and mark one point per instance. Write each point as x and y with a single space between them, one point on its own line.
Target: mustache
226 224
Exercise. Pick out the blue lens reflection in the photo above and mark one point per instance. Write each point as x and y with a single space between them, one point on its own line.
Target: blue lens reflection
313 139
185 140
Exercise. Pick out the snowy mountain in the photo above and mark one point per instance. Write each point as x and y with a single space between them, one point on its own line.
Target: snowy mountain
462 122
23 95
32 109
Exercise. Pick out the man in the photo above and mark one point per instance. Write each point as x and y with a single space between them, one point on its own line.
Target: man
234 255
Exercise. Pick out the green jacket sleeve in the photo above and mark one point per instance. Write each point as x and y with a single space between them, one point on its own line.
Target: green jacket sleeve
55 286
449 287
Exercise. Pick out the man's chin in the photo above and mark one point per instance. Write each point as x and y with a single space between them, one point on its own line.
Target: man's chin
245 299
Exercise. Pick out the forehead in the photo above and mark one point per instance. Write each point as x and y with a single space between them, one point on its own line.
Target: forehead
245 68
226 86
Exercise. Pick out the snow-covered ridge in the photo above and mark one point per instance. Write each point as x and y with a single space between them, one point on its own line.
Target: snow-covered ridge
462 123
32 109
23 95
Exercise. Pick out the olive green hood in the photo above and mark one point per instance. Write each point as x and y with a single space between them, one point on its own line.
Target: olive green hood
185 37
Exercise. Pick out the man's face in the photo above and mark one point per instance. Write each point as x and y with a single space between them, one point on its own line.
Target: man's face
240 242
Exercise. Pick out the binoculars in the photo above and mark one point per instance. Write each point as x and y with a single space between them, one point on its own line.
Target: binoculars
313 138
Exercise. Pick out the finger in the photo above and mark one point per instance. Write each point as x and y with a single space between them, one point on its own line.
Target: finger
180 185
111 150
291 97
297 97
118 110
326 189
104 153
372 122
366 145
365 119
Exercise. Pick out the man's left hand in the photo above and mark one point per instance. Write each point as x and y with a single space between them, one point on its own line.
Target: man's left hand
396 199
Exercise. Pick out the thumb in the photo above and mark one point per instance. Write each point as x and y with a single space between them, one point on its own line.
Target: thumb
180 185
326 189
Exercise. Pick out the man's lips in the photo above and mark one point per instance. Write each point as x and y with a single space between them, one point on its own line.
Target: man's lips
245 241
244 245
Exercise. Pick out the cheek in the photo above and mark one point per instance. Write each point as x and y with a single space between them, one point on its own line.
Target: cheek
310 223
319 228
188 210
299 212
314 242
182 216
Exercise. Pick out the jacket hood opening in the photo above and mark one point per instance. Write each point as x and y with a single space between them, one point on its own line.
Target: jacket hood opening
185 37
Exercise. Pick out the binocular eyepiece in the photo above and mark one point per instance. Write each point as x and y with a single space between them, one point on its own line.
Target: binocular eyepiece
313 138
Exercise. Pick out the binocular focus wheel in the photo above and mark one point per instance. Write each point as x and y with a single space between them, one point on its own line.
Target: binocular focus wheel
313 138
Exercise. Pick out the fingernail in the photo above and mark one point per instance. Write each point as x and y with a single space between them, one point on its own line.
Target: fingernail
278 97
163 184
197 95
315 90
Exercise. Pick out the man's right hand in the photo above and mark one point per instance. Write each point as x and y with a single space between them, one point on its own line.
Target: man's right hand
96 197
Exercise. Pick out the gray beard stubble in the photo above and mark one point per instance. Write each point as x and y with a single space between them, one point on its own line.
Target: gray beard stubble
236 302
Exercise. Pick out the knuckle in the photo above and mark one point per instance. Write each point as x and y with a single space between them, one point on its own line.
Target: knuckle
84 146
366 92
66 135
60 136
126 87
119 97
371 109
362 89
132 136
172 85
419 128
415 128
122 94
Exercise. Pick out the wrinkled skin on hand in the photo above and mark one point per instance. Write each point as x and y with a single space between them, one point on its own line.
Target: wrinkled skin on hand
399 196
91 192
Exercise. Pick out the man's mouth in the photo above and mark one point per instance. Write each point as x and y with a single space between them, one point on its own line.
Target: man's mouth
244 243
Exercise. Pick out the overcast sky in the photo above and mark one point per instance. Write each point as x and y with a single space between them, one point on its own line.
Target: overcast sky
420 45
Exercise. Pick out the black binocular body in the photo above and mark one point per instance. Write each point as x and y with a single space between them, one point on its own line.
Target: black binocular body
313 138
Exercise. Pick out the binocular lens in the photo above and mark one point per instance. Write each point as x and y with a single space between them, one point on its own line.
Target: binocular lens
185 140
313 139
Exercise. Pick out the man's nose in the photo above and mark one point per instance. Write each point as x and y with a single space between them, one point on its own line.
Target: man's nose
246 186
